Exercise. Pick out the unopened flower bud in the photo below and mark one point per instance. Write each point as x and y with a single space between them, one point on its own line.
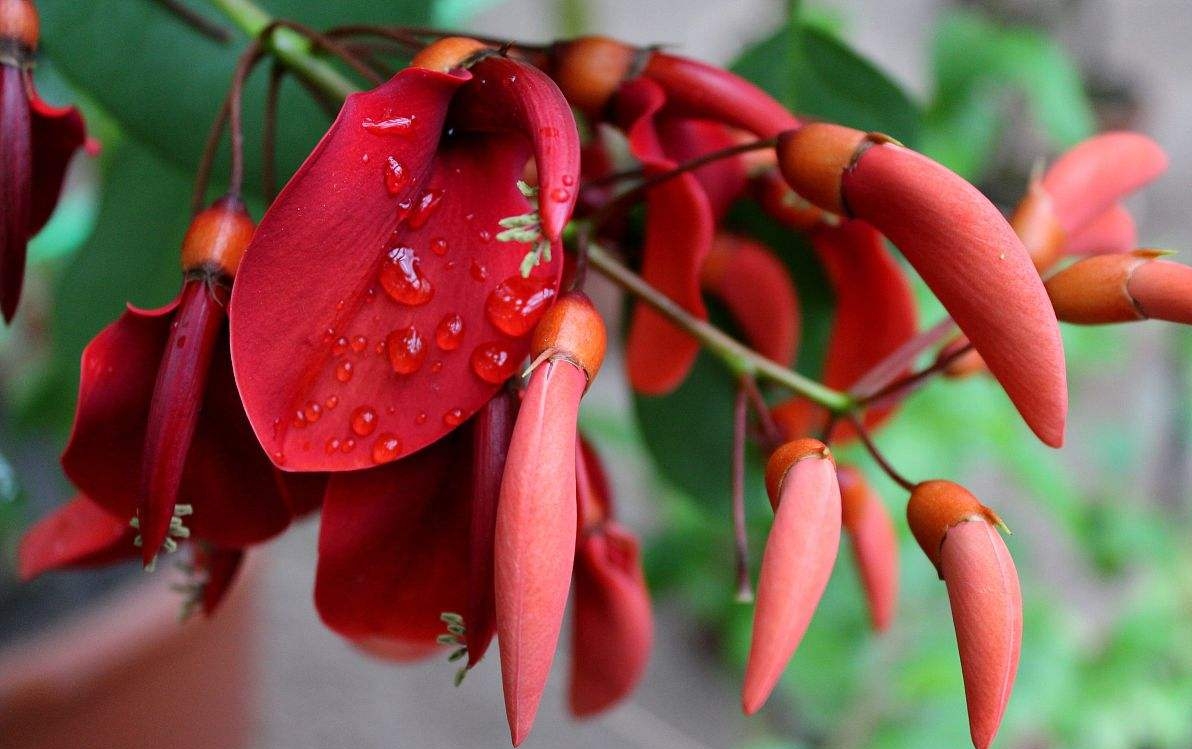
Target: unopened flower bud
1123 287
449 53
217 238
19 23
590 69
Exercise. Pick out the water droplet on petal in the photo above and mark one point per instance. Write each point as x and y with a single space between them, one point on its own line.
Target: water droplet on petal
348 446
299 419
406 350
386 448
485 235
403 211
560 195
390 125
493 362
331 402
420 418
569 179
364 421
312 411
331 446
453 417
478 271
425 208
279 458
343 371
449 332
339 346
517 304
436 367
396 178
438 245
402 279
359 343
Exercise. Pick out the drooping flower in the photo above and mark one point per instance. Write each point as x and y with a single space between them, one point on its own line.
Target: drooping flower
37 142
536 514
390 240
960 537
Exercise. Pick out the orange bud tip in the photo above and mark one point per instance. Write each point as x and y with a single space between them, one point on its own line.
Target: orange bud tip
450 53
785 457
1035 223
935 507
814 157
572 329
217 238
19 23
589 70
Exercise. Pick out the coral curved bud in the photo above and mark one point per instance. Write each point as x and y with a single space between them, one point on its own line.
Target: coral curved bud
450 53
573 330
797 562
20 23
217 238
590 69
1035 223
935 507
1123 287
759 293
1112 231
874 542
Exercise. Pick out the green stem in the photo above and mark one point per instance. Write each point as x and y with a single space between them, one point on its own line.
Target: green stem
288 46
741 359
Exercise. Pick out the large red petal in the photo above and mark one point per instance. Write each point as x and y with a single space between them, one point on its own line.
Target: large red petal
679 228
58 132
16 186
316 316
393 547
685 139
759 293
77 534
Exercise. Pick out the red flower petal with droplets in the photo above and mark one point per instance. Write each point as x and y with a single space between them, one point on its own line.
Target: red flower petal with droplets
412 313
759 293
679 228
77 534
393 547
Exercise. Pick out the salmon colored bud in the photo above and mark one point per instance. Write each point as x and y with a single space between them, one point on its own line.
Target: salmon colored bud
875 544
590 69
217 238
800 552
20 23
449 53
813 159
573 330
1035 223
1123 288
936 506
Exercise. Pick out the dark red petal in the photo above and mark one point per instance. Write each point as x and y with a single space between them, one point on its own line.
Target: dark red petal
58 132
978 268
393 547
679 227
759 293
506 93
722 180
219 567
16 186
613 624
174 409
313 324
703 91
77 534
1112 231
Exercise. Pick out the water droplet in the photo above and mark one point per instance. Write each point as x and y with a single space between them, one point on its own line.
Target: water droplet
339 305
403 281
370 295
517 304
438 245
569 179
560 195
454 417
450 265
364 421
364 159
449 332
425 209
331 446
359 343
390 125
396 178
420 418
406 349
390 410
436 367
331 402
403 211
343 371
478 271
492 362
279 458
312 412
299 419
386 448
485 235
380 348
339 346
348 446
548 132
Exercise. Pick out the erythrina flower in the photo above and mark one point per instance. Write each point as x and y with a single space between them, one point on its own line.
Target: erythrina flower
960 537
797 563
414 312
37 142
961 246
536 514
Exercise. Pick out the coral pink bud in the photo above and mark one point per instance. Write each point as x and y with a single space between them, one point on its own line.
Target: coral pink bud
449 53
959 535
1035 223
961 246
590 69
1112 231
875 544
1122 288
19 23
796 565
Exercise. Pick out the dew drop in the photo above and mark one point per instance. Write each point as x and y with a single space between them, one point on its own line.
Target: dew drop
403 212
438 245
493 363
569 179
386 448
449 332
348 446
421 418
181 341
426 207
478 271
313 411
331 402
517 304
560 195
406 350
485 235
279 458
343 371
396 178
454 417
359 343
402 279
364 421
331 446
390 125
339 346
299 419
436 367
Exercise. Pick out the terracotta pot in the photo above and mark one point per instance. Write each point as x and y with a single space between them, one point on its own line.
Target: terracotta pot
124 674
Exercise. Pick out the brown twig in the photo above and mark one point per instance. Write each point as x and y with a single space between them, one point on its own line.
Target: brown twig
878 457
196 21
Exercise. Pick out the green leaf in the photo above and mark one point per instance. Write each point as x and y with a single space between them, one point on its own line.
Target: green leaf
164 82
815 74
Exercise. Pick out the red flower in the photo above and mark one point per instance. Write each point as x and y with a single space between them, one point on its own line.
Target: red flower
378 279
37 142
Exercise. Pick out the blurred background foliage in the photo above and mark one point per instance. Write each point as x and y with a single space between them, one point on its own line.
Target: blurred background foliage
1106 569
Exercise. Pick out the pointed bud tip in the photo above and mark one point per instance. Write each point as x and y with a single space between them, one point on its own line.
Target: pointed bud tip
590 69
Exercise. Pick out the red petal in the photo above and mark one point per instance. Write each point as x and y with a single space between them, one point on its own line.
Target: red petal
972 260
987 611
875 544
703 91
679 227
535 537
1112 231
722 180
77 534
1087 180
320 250
219 566
16 186
506 93
759 293
393 547
614 627
58 132
796 565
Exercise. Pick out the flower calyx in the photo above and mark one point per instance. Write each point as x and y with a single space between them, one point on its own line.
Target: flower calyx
937 506
784 459
216 240
451 53
572 330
